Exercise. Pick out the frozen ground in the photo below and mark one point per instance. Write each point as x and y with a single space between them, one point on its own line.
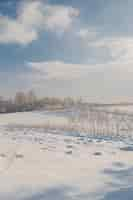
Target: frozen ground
40 165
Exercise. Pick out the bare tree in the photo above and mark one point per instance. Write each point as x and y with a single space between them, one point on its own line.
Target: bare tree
20 99
30 97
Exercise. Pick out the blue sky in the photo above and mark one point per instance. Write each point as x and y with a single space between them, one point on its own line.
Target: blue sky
67 48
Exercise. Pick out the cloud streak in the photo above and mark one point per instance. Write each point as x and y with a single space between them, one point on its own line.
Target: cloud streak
57 70
39 72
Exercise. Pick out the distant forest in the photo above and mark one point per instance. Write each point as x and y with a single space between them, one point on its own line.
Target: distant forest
29 101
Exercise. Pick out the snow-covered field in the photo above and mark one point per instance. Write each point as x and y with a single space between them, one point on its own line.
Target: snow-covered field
40 165
31 118
126 108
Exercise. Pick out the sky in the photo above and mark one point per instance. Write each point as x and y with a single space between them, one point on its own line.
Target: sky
67 48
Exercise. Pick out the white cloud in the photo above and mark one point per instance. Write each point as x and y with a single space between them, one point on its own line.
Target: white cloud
60 18
39 72
14 32
120 48
57 70
68 79
87 34
34 17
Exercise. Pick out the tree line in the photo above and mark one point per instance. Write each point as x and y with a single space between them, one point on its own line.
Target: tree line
28 101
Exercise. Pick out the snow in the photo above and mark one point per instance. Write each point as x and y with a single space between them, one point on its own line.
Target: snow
38 165
31 118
